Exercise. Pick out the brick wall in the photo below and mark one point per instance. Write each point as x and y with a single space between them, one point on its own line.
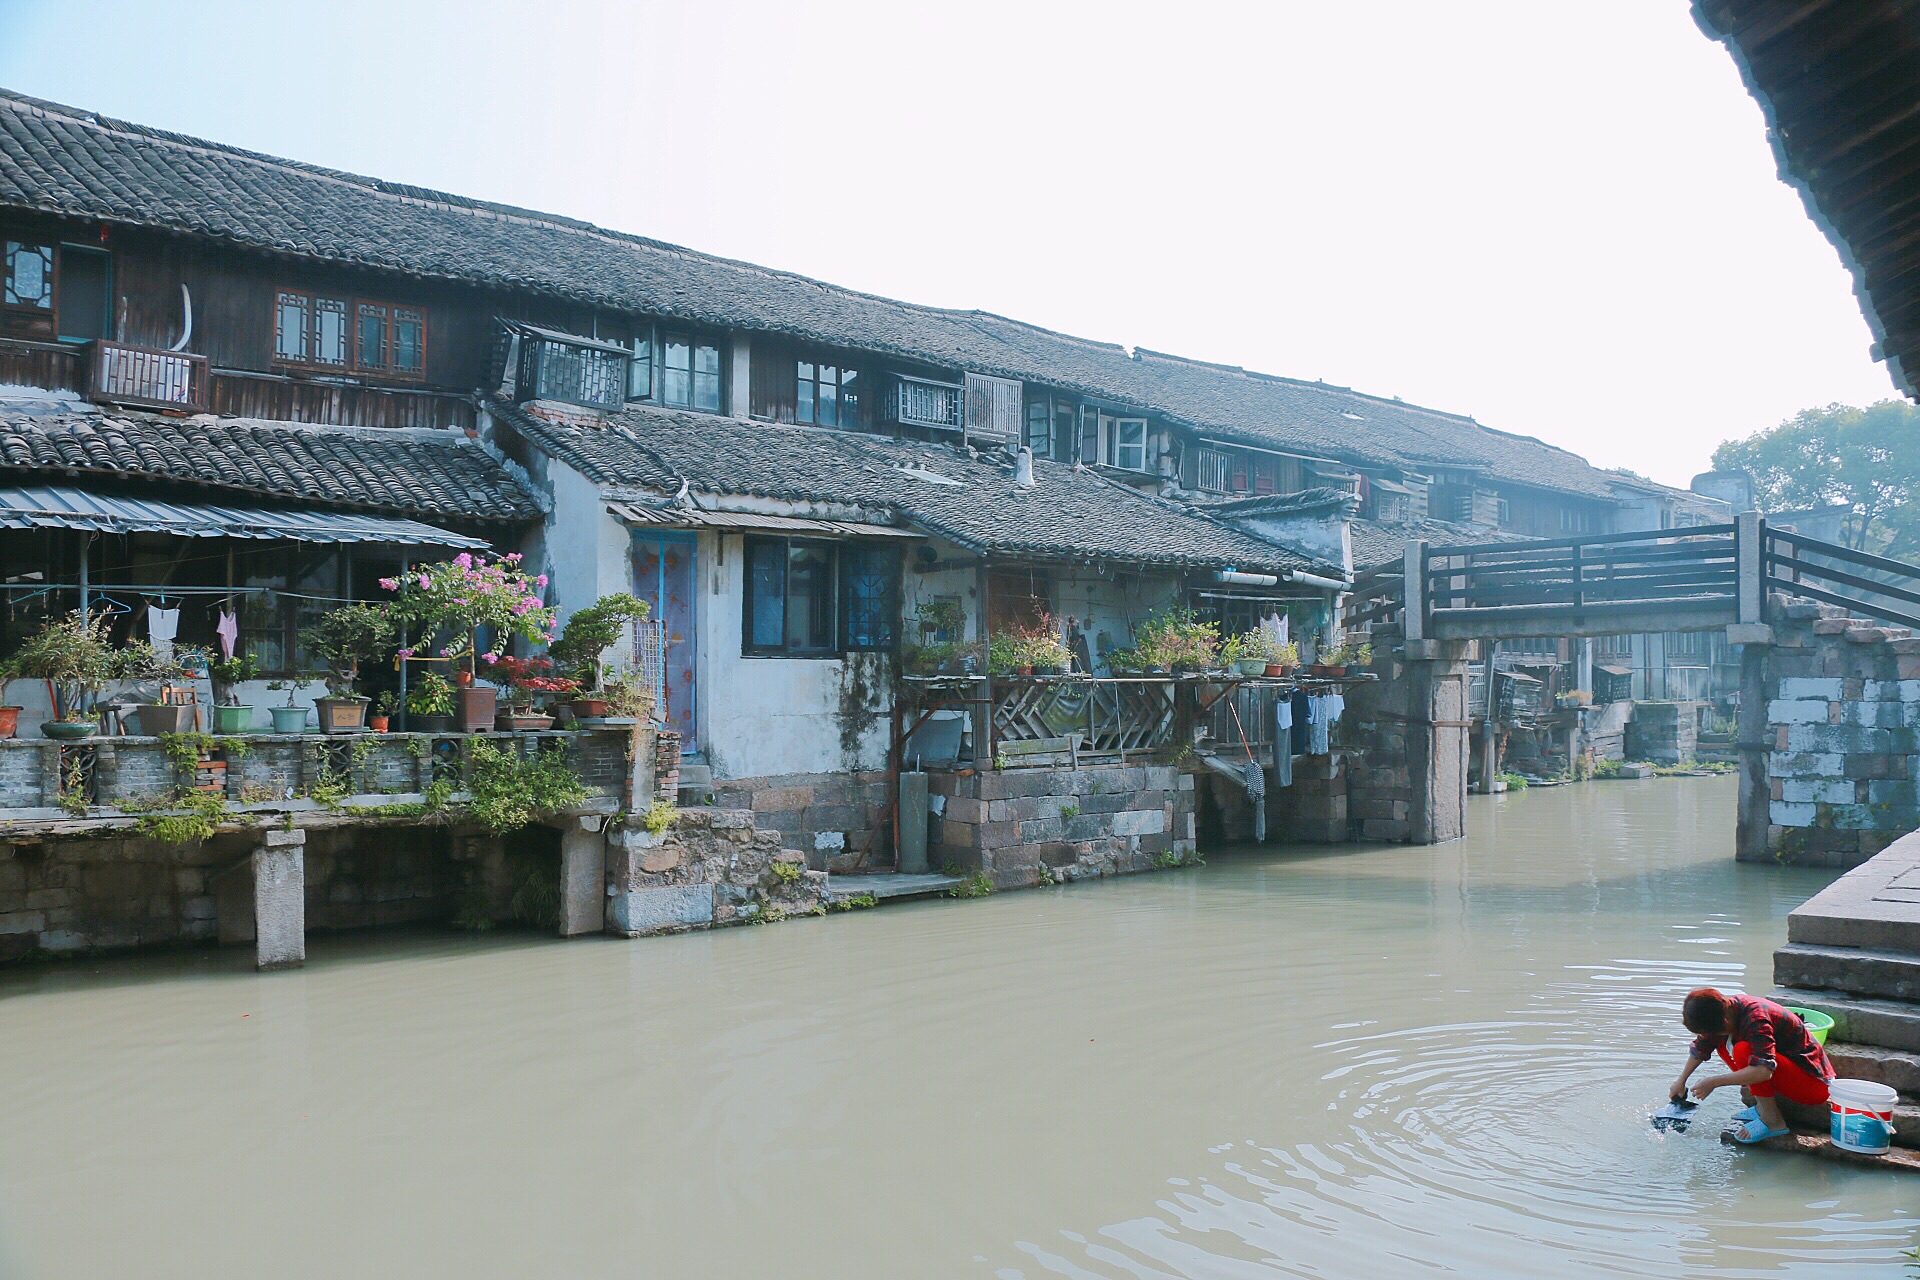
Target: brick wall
1664 732
1025 826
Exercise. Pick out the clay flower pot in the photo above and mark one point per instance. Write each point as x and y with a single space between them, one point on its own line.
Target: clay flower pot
9 721
379 723
463 678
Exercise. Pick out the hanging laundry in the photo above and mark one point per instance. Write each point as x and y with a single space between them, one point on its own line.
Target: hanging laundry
228 629
1301 729
1283 742
162 624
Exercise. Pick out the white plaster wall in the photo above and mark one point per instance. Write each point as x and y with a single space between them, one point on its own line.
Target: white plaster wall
761 716
588 552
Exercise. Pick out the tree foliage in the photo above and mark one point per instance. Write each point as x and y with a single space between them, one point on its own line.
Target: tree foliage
1865 459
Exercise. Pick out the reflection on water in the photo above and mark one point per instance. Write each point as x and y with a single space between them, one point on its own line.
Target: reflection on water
1351 1063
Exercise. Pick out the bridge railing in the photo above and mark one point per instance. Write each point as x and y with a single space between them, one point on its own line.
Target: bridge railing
1865 584
1492 581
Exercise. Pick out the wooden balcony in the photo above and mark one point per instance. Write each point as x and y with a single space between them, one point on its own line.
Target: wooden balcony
120 373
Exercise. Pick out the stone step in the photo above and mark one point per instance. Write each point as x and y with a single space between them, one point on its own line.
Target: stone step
1891 1024
1860 971
695 775
1846 914
1890 1067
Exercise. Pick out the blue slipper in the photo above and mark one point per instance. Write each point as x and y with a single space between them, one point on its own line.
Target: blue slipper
1745 1114
1755 1131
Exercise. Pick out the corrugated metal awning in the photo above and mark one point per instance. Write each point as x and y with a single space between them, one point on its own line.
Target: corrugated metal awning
633 513
57 507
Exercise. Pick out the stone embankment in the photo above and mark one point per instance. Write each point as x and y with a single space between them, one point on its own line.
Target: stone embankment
1853 952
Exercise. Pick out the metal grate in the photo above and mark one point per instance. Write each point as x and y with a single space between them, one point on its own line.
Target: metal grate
650 660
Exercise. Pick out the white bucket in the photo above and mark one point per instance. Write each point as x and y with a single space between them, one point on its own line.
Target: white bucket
1862 1116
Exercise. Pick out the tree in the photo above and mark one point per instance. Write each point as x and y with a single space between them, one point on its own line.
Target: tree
1865 459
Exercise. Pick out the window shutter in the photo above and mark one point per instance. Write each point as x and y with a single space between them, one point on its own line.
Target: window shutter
993 410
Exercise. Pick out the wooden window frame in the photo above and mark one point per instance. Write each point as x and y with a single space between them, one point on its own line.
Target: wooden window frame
802 395
1216 461
841 644
352 364
52 247
693 343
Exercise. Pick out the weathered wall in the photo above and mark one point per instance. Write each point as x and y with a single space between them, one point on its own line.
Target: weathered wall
710 867
1408 732
1663 732
1829 738
1028 826
841 821
763 717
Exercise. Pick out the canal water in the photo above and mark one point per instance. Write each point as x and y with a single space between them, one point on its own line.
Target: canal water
1354 1062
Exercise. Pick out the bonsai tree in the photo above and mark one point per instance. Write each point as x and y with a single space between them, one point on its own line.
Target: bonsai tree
465 594
75 654
344 638
226 673
532 678
591 631
386 703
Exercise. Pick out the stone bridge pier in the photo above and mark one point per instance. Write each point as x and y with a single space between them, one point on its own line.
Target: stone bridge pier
1408 778
1829 736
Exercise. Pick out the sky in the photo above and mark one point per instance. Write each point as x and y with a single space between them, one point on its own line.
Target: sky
1564 220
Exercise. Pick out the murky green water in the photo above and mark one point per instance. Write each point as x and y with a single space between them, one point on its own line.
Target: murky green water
1359 1063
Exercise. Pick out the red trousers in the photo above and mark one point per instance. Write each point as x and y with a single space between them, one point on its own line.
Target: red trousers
1789 1081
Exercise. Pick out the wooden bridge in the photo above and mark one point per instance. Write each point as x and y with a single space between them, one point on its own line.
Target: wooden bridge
1703 578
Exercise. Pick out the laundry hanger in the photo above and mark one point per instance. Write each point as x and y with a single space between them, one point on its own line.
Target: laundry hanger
115 606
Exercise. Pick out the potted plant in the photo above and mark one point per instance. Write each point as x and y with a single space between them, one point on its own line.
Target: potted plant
1124 662
430 705
382 716
629 697
140 661
1177 640
1044 648
74 654
462 595
1246 653
1283 656
226 674
341 640
589 633
1003 654
288 718
531 681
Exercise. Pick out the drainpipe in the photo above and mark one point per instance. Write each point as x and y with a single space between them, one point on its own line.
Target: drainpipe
1315 580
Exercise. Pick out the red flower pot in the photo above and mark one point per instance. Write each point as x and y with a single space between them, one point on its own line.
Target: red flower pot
463 678
9 721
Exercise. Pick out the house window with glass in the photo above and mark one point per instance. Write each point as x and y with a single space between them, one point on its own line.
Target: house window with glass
689 373
340 333
640 369
28 279
816 599
826 395
1112 441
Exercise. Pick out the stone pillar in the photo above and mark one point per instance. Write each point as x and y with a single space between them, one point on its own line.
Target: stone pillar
1436 673
1753 738
583 876
280 900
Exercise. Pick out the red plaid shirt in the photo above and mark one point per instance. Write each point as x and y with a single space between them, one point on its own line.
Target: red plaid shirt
1770 1033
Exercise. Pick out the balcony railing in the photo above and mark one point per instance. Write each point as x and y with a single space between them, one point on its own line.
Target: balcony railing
123 374
108 782
921 403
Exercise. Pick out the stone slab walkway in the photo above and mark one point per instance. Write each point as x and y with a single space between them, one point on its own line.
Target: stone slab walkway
888 887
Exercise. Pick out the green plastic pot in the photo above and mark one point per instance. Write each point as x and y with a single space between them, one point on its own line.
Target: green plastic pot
288 719
232 719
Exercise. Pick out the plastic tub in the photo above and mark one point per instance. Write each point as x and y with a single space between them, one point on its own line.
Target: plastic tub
1818 1023
1862 1116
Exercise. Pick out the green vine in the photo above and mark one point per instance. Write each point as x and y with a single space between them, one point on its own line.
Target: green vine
787 872
506 792
197 815
73 788
186 750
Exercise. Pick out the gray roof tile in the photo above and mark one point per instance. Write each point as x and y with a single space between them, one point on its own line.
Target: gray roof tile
67 161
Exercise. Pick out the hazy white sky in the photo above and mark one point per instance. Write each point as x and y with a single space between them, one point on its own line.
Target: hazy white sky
1562 219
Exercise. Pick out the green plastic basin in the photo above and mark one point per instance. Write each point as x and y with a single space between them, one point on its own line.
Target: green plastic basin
1817 1022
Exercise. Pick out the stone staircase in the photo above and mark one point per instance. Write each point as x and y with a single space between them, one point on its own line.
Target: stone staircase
696 782
1853 953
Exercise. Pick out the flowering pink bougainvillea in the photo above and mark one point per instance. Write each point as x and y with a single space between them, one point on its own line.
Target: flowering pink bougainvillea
469 592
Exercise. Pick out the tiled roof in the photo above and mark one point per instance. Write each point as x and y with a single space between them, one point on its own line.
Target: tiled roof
1375 542
412 472
1070 512
67 161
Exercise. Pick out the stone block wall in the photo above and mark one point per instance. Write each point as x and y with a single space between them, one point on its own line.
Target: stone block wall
1830 738
1663 732
1030 826
842 821
710 867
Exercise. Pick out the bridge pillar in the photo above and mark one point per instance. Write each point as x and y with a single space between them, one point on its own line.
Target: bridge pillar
1436 737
